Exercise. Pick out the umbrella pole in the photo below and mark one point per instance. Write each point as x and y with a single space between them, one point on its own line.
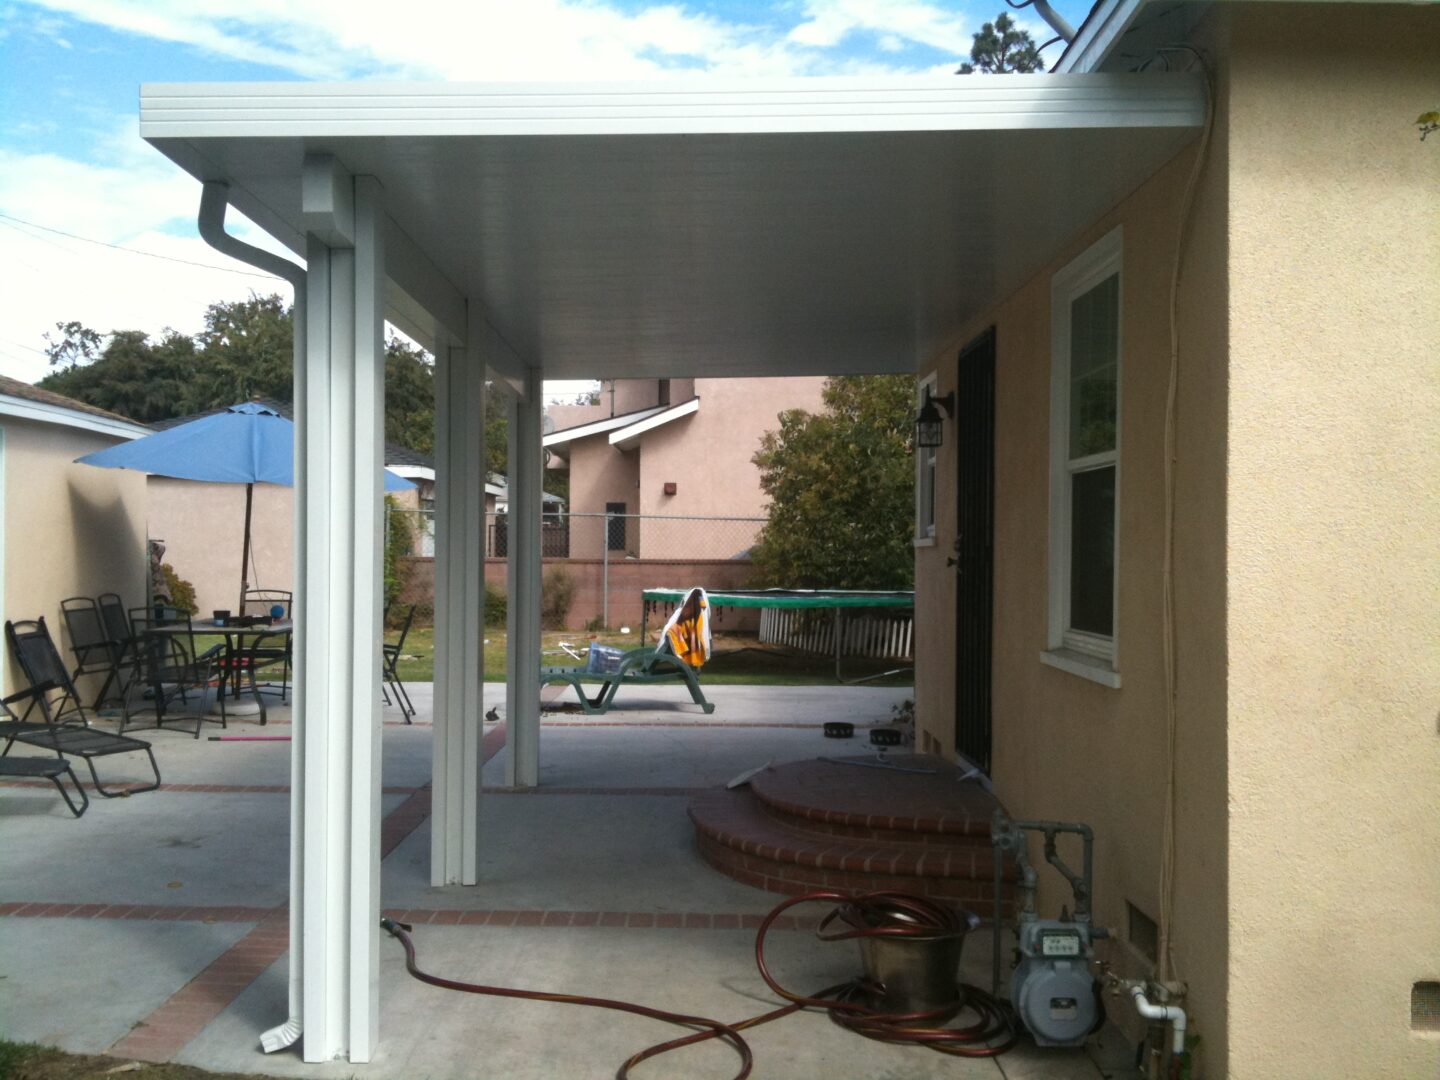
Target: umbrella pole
245 554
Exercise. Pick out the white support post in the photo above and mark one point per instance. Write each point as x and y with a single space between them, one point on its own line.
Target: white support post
459 607
335 884
522 697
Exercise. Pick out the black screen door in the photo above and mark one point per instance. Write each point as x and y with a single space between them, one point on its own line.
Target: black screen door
974 559
615 526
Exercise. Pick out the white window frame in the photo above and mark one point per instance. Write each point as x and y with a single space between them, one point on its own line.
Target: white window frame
925 460
1091 656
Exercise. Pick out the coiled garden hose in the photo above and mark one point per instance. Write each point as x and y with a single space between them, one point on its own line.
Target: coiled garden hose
880 914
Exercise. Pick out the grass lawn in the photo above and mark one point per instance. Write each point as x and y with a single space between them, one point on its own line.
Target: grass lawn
24 1061
738 658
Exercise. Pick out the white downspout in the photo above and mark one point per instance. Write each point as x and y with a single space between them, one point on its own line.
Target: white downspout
214 200
1055 19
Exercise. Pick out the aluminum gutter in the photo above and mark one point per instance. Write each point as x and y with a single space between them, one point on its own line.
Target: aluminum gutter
628 437
975 103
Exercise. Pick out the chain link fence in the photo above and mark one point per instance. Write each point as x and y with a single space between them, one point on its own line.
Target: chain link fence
609 558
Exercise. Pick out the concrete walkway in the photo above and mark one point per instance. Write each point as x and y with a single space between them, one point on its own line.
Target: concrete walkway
155 926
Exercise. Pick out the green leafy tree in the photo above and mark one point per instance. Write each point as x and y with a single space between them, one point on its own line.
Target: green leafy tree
246 350
1002 48
77 345
841 485
132 376
409 396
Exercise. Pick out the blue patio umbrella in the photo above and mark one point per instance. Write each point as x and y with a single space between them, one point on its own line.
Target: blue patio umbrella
245 444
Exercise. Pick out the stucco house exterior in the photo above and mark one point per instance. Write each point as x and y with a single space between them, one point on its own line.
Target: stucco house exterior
1211 502
66 529
1184 290
637 451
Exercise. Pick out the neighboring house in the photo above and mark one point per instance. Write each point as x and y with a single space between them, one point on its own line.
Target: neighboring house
200 523
674 447
1245 715
66 529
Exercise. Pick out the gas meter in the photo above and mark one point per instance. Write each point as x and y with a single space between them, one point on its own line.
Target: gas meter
1052 988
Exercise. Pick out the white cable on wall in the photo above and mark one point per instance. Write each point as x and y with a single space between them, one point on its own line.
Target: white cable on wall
1167 851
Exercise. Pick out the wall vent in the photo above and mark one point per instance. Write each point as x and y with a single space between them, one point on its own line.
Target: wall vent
1142 932
1425 1006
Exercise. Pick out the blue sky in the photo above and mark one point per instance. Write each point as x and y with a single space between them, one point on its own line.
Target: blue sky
70 71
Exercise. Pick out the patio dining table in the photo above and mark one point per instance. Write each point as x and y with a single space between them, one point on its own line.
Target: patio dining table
234 634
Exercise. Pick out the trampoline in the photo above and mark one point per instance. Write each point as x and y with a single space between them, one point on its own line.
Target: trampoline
835 600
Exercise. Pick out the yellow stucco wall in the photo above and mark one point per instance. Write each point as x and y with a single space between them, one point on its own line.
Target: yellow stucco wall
1334 568
1065 747
70 530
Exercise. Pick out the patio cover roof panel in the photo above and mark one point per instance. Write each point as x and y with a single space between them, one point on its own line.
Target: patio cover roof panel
815 226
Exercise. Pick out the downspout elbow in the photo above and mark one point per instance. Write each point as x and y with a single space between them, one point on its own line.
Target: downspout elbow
1057 21
214 200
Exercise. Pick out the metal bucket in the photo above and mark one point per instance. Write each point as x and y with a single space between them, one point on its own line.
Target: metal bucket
912 974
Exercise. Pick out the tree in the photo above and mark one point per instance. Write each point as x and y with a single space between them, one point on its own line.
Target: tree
245 350
1002 48
841 485
77 345
409 396
132 376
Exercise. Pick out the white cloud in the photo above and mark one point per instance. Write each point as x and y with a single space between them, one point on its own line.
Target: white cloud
505 40
132 197
829 22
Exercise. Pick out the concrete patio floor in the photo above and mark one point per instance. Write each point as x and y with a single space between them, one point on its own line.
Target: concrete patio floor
154 927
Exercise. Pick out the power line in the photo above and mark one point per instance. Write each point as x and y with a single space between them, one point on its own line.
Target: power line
133 251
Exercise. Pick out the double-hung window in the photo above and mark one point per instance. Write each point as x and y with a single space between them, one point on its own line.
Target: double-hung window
1085 462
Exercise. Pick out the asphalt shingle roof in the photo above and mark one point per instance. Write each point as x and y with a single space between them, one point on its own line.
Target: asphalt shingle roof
16 388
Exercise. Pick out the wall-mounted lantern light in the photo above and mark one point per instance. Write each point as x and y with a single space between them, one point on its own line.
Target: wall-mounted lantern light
929 425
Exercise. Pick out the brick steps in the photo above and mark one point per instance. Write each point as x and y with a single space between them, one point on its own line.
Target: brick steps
814 825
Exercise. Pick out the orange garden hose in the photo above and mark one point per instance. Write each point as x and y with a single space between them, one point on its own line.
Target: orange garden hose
880 914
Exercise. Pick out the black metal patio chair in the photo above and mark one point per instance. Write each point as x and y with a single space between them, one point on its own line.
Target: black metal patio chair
45 767
169 680
390 667
95 651
120 633
272 651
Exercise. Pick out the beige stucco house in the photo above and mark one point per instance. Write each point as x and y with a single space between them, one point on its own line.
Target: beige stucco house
1216 591
66 529
1185 291
670 447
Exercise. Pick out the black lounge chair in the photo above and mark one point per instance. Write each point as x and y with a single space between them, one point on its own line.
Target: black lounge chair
389 664
36 768
68 738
